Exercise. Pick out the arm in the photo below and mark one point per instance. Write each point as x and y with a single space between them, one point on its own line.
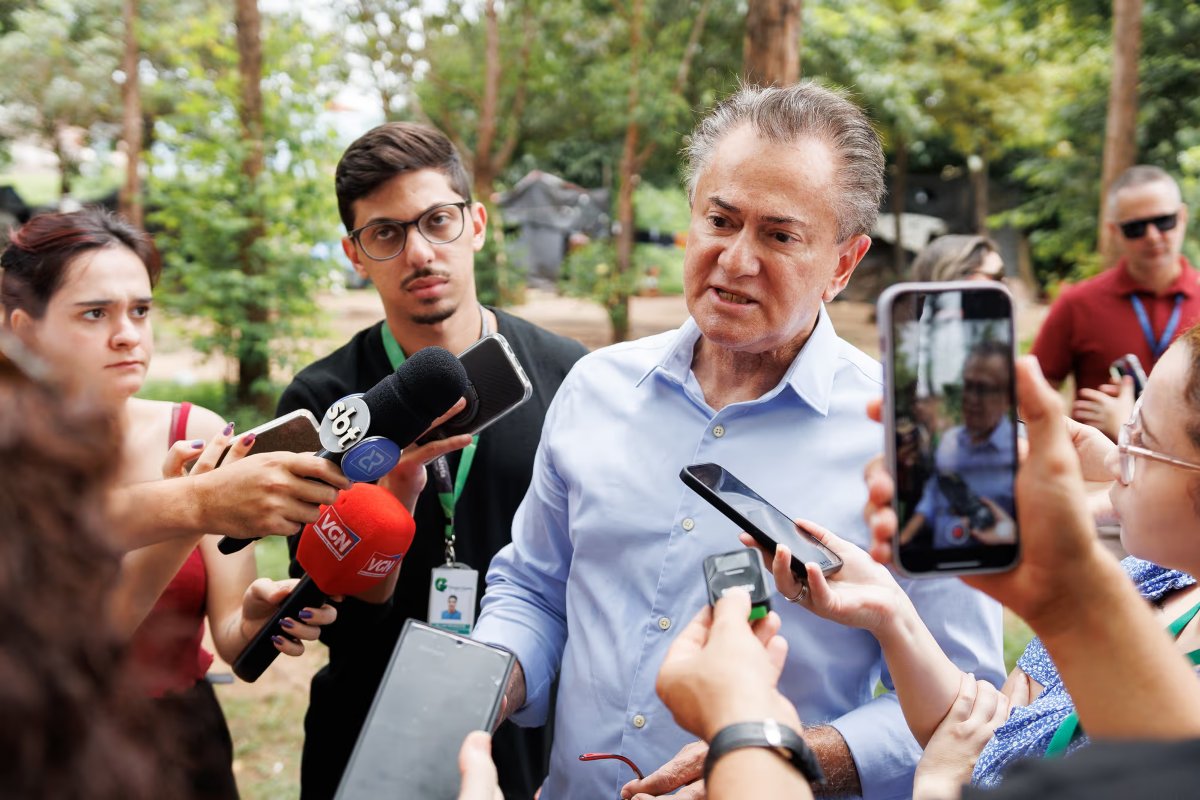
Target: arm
1052 345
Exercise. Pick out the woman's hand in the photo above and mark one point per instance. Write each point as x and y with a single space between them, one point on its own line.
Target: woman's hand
201 456
260 602
951 754
862 594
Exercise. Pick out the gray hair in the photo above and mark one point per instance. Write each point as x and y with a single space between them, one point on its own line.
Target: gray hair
951 258
786 114
1137 175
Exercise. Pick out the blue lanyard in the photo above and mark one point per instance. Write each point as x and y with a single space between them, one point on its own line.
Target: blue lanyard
1159 347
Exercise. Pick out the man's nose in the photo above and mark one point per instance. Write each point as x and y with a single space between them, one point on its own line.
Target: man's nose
739 258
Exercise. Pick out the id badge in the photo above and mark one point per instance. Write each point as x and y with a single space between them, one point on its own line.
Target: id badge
452 598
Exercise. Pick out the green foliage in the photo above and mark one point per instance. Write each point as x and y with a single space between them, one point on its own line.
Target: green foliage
205 204
499 281
213 395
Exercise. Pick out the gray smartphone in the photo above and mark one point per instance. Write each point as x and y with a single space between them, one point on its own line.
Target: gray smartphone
951 425
296 432
498 384
438 688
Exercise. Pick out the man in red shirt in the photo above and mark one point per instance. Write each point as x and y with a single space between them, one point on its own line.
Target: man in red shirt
1150 296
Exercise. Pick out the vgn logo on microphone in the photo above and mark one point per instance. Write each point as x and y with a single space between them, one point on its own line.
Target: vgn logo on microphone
380 565
333 532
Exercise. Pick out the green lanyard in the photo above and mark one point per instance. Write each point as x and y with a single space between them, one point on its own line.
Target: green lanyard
448 491
1069 730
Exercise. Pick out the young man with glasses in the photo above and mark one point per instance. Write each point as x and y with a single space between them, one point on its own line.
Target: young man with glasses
1139 306
412 228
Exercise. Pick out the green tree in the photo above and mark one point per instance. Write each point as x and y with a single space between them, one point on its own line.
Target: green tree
213 214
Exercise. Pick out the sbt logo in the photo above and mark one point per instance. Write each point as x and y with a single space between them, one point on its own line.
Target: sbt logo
333 532
380 565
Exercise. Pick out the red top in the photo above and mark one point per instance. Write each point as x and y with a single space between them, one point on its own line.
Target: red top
166 647
1093 323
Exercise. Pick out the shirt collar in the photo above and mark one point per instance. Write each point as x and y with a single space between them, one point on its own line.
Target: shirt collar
998 439
810 375
1186 283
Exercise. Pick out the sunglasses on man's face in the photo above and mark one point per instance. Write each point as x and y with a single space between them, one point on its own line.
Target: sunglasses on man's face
1136 228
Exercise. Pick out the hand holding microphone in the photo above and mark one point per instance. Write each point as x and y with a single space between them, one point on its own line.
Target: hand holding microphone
357 541
359 433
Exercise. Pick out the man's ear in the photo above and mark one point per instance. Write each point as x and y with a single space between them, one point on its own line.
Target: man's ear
352 253
478 218
850 255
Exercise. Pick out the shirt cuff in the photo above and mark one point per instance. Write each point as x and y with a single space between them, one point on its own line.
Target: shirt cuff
884 751
529 649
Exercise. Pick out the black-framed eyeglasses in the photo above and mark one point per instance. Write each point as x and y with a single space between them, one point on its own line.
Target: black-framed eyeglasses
1136 228
385 238
981 389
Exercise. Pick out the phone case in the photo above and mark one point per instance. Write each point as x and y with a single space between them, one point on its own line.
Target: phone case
499 384
959 494
296 432
438 688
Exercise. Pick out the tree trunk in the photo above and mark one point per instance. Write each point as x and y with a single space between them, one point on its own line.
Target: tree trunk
771 48
617 302
131 97
1120 134
977 166
899 198
484 168
254 346
64 165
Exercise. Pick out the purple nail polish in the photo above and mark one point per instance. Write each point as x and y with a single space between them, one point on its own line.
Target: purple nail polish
277 640
305 614
249 438
228 429
197 444
287 623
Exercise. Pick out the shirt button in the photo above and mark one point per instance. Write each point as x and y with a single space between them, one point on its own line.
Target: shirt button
639 721
718 431
664 623
688 524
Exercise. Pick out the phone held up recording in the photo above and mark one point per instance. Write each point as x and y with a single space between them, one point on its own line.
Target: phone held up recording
951 425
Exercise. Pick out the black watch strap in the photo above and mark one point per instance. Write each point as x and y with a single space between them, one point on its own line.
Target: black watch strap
769 734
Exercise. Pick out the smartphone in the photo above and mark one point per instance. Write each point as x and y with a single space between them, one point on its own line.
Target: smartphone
1129 364
297 432
951 425
498 384
751 513
438 688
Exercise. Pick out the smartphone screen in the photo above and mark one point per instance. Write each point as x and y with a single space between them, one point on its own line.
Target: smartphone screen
438 688
750 512
498 383
951 425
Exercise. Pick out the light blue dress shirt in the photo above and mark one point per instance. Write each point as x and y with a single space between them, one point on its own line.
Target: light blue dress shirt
605 567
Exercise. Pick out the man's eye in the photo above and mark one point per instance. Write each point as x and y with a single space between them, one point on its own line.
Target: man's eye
383 233
718 221
783 238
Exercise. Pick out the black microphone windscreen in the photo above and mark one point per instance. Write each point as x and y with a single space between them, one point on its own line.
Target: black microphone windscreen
424 387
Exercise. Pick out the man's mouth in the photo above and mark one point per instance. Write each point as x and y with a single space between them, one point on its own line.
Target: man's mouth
730 297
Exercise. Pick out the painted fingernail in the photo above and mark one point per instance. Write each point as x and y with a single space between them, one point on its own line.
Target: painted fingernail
197 444
249 438
287 623
277 640
305 614
228 429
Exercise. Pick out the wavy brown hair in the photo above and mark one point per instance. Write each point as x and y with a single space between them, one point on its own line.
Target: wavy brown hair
74 724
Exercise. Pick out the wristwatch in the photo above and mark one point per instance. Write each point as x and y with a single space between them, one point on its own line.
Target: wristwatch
770 734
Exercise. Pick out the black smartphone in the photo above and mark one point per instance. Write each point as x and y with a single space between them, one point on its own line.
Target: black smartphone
751 513
951 425
739 569
297 432
438 688
1129 364
497 385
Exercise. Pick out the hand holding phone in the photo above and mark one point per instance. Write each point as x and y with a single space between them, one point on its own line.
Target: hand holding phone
497 385
951 426
768 525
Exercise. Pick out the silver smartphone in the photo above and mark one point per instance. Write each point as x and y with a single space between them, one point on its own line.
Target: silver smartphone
438 688
951 425
498 385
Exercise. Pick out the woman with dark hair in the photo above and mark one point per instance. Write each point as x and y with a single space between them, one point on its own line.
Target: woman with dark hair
76 290
76 724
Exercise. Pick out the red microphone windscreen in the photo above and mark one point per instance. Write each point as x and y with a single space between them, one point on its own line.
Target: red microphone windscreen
357 541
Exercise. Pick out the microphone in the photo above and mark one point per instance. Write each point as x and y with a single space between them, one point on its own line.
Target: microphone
360 432
355 543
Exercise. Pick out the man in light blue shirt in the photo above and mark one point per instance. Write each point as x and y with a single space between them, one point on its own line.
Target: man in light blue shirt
606 561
